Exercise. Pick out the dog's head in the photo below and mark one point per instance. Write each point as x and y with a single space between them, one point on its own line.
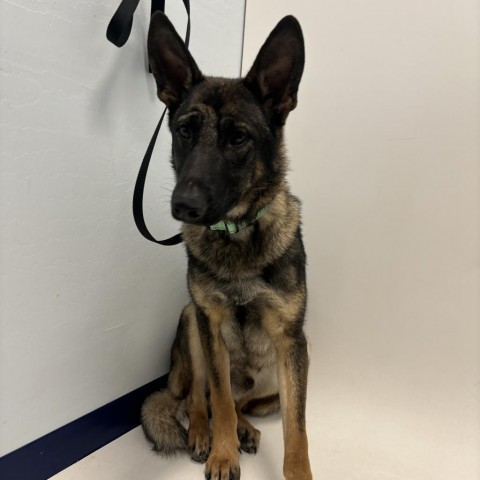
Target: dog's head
226 133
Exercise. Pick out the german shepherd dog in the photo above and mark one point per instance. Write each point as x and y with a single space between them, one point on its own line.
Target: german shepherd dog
240 346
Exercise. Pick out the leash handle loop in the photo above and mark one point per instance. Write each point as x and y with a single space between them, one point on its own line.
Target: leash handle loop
120 25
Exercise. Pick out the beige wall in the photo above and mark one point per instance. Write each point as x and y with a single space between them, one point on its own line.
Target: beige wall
385 156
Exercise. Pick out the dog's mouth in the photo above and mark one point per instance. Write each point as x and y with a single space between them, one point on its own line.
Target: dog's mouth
192 216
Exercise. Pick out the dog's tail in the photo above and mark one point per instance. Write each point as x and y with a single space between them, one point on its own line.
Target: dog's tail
161 416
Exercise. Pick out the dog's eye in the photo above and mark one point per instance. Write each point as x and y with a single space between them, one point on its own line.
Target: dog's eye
238 137
184 131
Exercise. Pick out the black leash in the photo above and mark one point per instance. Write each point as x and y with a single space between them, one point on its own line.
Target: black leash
120 25
118 32
137 205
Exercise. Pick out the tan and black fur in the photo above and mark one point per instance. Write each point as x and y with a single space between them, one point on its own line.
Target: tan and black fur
240 347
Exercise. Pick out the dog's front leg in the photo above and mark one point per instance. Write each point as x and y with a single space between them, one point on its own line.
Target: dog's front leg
223 462
292 368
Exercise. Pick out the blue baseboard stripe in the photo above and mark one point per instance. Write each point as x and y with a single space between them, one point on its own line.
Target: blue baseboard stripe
59 449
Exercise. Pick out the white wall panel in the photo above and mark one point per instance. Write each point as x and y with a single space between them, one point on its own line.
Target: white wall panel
88 308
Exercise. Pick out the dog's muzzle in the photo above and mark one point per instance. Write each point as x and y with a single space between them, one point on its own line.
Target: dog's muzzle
190 202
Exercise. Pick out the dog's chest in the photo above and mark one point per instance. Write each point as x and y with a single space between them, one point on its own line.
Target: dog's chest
242 292
252 354
247 341
243 333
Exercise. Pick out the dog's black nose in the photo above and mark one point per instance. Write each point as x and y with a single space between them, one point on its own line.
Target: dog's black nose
189 202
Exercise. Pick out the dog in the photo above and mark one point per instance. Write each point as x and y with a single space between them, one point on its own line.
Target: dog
240 347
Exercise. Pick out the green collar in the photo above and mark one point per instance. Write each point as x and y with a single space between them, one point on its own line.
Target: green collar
232 227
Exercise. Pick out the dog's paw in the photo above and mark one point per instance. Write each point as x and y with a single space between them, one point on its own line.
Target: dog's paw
221 466
199 444
249 438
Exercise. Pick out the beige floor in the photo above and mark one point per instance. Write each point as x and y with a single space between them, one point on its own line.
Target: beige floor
363 429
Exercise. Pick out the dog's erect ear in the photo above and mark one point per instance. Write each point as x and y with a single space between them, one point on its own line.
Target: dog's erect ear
173 67
278 68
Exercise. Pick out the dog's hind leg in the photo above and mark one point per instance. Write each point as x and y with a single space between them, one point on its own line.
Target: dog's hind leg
248 435
197 409
261 407
163 412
